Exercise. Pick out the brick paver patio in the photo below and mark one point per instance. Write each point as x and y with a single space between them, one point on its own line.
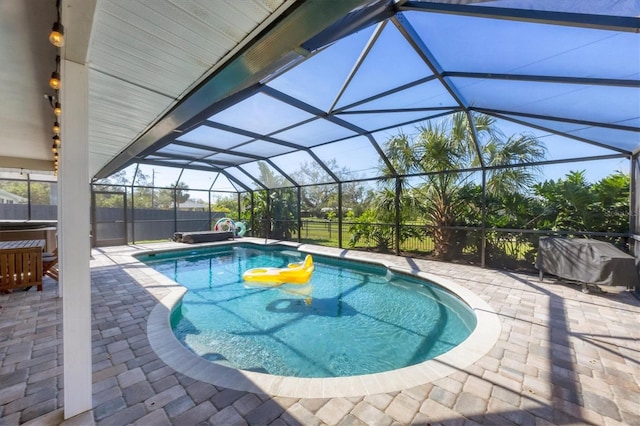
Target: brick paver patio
563 357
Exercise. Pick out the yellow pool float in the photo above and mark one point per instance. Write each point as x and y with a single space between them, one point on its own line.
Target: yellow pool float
294 273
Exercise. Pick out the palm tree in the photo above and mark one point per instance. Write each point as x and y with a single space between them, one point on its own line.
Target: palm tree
402 158
440 150
517 149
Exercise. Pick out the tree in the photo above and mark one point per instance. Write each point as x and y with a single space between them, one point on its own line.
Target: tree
440 150
575 204
115 182
39 192
364 227
612 197
284 207
164 198
567 202
227 204
276 216
315 197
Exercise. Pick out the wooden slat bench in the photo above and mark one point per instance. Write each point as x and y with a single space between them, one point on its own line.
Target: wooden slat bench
20 264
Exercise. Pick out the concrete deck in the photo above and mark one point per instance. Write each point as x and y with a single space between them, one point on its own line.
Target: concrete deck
562 357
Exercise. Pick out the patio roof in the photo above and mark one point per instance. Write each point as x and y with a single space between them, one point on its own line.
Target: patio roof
328 93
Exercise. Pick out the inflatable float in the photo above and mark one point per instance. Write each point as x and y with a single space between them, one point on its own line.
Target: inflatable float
294 273
226 224
241 229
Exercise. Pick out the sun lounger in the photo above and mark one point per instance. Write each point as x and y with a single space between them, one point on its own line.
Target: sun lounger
202 236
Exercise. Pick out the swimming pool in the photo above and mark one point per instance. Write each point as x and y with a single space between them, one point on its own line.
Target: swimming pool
352 318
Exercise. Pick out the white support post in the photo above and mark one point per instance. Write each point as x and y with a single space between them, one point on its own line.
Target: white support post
73 235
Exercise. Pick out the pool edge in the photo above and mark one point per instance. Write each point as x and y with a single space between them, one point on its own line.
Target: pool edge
174 354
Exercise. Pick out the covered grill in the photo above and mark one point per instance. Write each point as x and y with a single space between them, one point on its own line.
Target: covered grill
587 261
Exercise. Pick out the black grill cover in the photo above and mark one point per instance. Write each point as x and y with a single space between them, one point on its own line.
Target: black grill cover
588 261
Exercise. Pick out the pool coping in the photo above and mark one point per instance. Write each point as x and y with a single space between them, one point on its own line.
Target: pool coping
174 354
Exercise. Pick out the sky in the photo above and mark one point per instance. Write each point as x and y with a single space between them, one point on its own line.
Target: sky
334 81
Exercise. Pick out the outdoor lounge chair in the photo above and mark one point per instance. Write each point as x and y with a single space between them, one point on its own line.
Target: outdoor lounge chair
50 264
202 236
21 265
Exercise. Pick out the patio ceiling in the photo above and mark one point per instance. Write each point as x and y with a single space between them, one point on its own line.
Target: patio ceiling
568 68
142 56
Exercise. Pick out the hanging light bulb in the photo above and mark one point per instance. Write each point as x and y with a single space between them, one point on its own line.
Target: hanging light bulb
56 37
56 140
57 109
56 128
54 148
54 81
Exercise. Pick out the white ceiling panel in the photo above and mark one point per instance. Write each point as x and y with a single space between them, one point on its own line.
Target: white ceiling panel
144 56
118 112
165 46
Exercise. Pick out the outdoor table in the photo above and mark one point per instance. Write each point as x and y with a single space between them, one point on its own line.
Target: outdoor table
20 264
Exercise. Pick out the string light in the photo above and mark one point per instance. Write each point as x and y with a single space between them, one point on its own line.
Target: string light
56 37
54 81
57 34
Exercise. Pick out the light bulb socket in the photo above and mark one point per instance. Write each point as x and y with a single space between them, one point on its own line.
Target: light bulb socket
56 37
54 81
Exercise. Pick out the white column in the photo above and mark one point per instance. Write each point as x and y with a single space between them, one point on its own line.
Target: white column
73 236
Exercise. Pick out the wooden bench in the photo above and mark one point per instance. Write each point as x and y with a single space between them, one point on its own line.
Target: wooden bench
20 264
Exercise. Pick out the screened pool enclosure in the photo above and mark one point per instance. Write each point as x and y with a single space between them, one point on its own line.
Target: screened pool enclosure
458 130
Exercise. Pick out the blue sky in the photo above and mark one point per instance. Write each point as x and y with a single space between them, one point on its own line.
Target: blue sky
333 81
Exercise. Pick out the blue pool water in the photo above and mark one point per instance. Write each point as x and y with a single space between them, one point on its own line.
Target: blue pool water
351 318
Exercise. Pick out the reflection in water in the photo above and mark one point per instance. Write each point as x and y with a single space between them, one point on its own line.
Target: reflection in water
331 307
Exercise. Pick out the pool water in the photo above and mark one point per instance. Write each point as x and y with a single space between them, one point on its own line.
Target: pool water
351 318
